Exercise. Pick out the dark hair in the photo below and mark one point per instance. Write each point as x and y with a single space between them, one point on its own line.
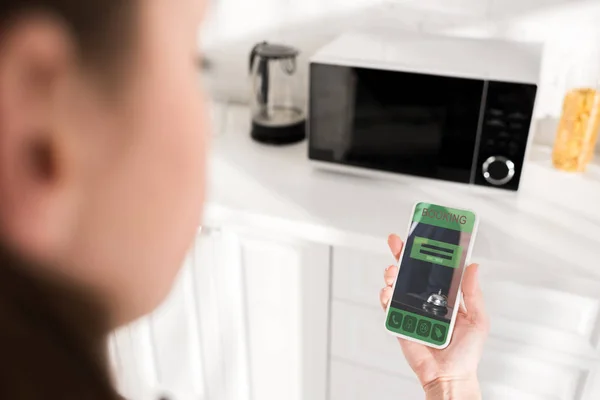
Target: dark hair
53 337
100 28
52 334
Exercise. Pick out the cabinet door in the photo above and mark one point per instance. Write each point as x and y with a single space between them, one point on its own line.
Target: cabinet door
177 351
236 325
287 305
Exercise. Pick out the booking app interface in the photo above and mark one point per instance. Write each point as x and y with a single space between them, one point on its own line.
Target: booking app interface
430 273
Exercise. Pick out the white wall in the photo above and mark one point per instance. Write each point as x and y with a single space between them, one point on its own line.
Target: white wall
571 34
233 26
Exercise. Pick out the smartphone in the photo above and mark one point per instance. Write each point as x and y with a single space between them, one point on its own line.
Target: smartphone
427 291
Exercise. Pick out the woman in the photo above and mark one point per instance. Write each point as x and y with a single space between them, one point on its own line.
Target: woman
102 142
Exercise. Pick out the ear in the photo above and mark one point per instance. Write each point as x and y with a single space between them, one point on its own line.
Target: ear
36 59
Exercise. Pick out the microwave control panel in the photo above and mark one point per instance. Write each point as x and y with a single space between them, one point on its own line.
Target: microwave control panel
506 124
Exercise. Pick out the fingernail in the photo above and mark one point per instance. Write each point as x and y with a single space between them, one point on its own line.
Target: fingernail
389 281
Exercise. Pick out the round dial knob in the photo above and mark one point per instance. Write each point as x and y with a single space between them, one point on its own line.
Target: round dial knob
498 170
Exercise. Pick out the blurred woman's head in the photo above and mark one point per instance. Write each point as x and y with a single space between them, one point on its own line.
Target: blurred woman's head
101 143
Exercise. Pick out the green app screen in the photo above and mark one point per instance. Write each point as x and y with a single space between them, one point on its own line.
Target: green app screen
430 273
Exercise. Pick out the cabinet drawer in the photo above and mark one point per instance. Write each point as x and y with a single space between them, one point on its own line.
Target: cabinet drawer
358 337
555 311
349 382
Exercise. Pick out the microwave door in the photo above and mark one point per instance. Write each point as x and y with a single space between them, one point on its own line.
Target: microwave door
333 93
407 135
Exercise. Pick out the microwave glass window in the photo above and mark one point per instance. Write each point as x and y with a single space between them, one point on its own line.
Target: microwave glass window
395 121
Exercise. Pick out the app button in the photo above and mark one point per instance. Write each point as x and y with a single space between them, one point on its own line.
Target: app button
424 328
438 333
395 320
410 324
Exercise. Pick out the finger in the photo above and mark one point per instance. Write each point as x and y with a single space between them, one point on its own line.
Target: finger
390 275
470 283
384 296
473 296
462 307
396 245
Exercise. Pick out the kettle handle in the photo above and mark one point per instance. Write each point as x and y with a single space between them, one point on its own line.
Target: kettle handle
263 73
254 53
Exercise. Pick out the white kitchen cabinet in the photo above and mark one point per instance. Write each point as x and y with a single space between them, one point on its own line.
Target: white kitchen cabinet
252 317
237 326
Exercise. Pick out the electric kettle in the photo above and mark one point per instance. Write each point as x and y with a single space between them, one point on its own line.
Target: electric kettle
277 117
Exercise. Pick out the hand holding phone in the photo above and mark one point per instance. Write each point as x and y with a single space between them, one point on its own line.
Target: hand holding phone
426 294
452 367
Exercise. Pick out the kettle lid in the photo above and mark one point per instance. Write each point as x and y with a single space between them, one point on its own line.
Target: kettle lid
275 51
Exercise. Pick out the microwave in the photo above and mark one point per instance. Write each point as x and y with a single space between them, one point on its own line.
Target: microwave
446 108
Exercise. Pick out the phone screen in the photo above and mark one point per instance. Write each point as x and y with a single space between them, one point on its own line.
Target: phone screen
426 292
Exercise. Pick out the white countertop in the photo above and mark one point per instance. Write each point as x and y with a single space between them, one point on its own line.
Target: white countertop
552 223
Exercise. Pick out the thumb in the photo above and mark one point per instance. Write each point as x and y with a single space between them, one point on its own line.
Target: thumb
473 296
396 245
470 285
